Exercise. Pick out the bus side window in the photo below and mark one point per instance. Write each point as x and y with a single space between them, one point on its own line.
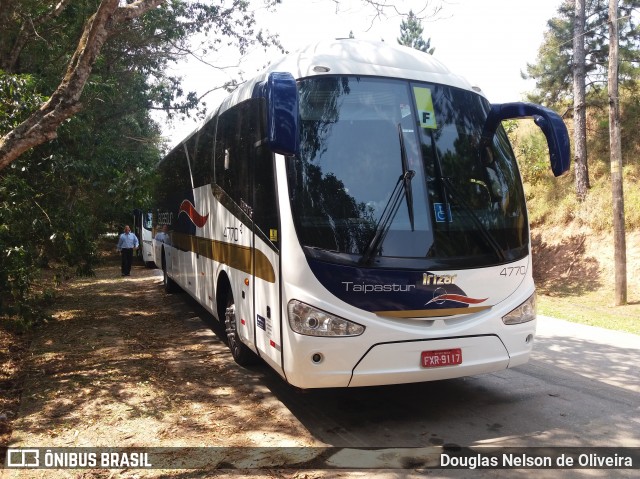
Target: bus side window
233 153
202 154
265 204
224 141
174 171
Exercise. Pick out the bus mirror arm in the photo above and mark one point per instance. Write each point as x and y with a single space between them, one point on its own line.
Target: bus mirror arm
547 120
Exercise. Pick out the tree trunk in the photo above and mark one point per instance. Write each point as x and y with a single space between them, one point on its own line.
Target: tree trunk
579 103
42 125
620 254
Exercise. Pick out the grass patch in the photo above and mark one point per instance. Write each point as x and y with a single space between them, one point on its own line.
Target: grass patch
592 310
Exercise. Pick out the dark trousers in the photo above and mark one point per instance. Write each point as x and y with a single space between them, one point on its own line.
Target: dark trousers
127 259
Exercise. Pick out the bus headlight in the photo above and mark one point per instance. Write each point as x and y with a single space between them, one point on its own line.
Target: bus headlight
524 313
307 320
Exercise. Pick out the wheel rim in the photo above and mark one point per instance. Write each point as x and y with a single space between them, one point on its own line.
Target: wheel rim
231 328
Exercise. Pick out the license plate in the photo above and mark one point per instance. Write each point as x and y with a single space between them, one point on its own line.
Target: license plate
442 357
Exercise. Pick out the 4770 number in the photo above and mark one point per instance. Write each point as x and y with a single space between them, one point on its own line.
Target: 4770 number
514 271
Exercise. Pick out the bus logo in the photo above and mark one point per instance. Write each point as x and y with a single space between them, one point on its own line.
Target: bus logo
438 279
457 298
196 218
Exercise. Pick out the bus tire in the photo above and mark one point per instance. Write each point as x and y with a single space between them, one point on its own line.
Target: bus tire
170 286
240 352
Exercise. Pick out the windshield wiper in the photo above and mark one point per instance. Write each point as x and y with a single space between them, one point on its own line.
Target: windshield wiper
389 212
408 192
402 188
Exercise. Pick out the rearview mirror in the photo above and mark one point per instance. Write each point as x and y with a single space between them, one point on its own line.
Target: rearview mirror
281 94
547 120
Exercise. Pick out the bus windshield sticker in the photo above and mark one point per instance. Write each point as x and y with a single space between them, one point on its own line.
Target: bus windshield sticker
424 105
405 110
443 213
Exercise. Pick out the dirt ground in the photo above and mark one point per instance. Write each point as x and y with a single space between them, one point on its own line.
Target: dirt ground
124 364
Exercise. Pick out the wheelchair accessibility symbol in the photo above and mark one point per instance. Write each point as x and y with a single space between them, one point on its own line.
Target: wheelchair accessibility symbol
443 213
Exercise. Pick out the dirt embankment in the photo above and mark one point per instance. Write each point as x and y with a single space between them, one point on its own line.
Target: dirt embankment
573 263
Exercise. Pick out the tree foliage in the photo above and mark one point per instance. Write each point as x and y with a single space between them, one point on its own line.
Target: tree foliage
158 29
553 69
58 197
18 98
411 32
554 75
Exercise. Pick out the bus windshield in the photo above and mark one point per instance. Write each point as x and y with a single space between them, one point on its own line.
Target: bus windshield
391 172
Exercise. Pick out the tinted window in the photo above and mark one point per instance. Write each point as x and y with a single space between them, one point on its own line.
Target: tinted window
244 168
360 136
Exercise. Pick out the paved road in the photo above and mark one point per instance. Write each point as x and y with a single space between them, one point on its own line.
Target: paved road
581 388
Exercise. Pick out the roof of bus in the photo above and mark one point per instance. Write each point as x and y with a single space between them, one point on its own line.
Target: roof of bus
349 56
363 57
355 57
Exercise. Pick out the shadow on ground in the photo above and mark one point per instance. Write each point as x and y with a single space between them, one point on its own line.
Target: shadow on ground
125 364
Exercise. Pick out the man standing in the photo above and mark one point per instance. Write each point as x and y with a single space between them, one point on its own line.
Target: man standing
127 242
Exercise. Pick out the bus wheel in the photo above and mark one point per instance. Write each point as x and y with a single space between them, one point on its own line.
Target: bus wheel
170 285
240 352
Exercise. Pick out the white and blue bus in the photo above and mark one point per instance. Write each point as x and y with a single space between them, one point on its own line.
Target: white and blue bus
143 229
355 216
